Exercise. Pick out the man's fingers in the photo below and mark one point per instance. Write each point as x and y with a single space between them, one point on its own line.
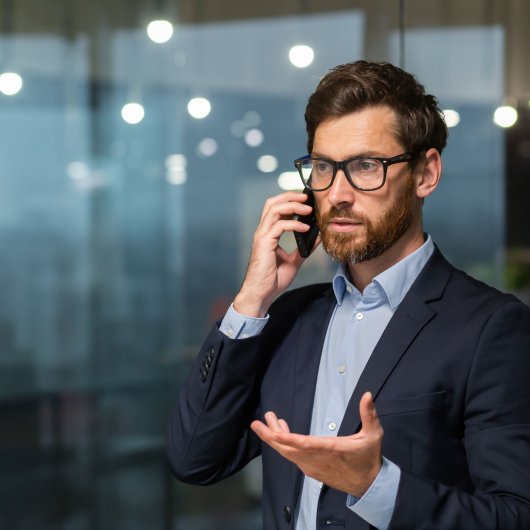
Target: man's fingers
275 424
285 204
284 426
272 422
368 414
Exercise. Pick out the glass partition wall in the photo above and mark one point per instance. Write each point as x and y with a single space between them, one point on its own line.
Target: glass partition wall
134 161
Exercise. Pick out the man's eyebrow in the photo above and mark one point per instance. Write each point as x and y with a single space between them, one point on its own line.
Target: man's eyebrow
364 154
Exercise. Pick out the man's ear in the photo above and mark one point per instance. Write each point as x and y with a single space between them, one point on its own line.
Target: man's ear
428 173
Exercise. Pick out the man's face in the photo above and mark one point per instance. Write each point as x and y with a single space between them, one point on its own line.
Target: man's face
357 225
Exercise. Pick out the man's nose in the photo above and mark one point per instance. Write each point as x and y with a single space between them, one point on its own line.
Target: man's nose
341 192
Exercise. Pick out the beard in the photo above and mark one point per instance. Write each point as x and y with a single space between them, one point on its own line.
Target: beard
380 234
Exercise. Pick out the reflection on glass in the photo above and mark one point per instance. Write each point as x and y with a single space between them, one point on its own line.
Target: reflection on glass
267 163
505 116
207 147
176 169
132 113
10 83
290 180
254 137
78 170
452 117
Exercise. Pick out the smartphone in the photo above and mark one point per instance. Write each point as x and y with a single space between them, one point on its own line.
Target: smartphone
306 240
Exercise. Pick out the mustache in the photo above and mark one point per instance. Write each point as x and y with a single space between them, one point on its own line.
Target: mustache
342 213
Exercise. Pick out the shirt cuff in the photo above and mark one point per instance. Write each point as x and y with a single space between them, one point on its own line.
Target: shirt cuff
377 504
237 326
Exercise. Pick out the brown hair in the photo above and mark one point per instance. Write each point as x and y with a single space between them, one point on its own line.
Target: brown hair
354 86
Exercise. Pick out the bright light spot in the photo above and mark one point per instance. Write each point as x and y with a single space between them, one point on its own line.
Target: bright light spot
452 117
252 119
176 161
78 170
176 169
254 137
267 163
290 180
505 116
199 108
207 147
132 113
10 83
160 31
301 56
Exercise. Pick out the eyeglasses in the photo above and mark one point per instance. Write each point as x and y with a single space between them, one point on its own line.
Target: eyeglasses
362 172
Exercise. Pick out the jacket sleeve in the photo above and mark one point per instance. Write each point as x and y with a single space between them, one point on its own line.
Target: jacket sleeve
209 436
496 437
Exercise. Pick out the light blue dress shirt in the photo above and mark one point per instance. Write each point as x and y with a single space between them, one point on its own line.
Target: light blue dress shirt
356 326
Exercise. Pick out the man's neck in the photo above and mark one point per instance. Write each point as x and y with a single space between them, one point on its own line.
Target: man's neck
362 274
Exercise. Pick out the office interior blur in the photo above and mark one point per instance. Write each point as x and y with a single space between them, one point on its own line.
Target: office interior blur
138 142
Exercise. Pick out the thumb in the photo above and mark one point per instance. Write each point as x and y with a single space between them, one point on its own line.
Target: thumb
368 413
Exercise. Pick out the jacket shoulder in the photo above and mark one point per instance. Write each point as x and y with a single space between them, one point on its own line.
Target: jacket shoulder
291 305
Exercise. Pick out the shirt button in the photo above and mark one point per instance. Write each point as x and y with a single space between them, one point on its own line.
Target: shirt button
342 368
332 426
349 288
229 332
359 316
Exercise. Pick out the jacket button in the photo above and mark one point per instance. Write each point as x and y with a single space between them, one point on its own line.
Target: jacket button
287 513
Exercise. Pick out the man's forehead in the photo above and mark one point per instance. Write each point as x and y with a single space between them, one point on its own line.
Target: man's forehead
368 130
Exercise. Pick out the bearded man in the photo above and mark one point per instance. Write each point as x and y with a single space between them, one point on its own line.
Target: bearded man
395 397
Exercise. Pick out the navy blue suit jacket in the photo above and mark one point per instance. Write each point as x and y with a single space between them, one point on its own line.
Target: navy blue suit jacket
451 380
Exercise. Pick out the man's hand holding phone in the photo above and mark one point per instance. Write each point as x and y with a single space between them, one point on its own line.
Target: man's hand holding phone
271 269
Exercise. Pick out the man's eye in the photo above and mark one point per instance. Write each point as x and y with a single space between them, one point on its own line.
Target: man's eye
368 165
322 167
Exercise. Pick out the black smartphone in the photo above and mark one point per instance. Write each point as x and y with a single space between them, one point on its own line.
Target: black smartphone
306 240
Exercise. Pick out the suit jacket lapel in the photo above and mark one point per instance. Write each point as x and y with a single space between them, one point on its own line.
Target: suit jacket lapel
412 315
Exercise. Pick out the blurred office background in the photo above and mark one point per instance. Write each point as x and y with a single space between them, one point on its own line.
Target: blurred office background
132 174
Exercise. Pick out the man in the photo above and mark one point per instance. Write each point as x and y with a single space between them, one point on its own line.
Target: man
397 396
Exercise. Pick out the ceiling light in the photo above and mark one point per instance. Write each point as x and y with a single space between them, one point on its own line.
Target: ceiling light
301 55
160 31
199 108
132 113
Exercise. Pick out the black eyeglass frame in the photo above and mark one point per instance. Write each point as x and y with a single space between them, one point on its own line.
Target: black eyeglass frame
404 157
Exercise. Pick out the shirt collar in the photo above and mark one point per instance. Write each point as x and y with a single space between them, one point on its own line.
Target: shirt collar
395 282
